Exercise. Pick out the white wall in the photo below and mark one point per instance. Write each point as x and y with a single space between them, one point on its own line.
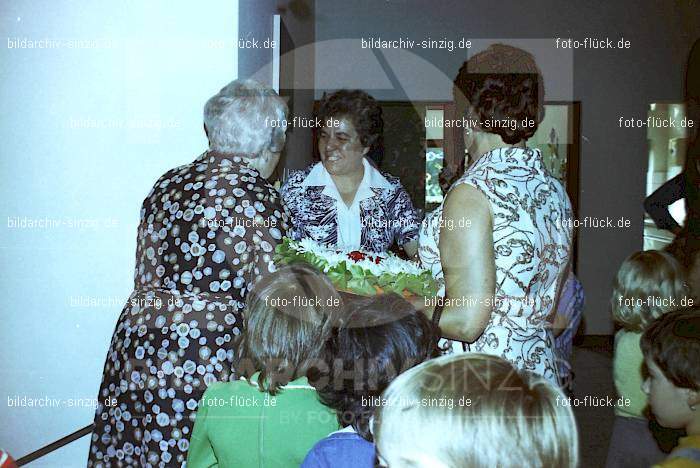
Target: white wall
156 64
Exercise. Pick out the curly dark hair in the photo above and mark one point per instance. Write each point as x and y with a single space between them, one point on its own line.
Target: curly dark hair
361 109
502 84
382 337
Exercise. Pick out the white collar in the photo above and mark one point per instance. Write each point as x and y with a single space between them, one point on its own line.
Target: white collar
345 430
301 382
319 176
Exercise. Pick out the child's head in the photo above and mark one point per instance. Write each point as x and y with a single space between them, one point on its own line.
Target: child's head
381 337
289 316
671 347
474 410
648 284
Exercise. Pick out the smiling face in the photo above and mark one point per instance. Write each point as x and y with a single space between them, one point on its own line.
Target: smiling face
340 148
670 404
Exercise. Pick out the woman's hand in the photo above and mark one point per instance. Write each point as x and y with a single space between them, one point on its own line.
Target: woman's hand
468 264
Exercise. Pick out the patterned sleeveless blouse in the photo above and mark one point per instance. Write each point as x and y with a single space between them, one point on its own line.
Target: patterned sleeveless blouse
532 237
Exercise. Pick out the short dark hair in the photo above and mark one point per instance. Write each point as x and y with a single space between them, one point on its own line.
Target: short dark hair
672 342
502 83
382 336
284 337
361 109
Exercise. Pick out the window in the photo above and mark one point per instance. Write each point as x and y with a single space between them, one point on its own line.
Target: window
667 150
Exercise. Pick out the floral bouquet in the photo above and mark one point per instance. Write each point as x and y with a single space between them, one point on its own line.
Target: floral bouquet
354 271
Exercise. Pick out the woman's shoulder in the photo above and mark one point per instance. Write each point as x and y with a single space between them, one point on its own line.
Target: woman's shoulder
514 170
183 174
297 176
171 175
164 183
464 195
394 181
505 160
393 189
294 185
244 185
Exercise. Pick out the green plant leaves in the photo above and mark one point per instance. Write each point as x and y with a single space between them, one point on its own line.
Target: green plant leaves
347 275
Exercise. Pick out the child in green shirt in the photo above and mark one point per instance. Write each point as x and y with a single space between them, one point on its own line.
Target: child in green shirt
272 416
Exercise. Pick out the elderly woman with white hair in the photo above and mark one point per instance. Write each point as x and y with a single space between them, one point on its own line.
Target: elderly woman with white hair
207 233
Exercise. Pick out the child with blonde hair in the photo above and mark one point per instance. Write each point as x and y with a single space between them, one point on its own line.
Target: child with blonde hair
648 284
474 410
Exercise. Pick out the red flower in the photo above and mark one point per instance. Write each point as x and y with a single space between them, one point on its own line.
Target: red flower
377 260
356 256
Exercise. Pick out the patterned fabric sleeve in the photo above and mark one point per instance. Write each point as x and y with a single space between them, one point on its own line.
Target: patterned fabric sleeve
290 192
263 241
141 238
405 220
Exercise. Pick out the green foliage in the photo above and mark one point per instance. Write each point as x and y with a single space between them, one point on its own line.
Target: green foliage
347 275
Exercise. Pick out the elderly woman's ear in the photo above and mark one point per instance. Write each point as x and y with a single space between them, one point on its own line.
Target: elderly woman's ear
266 162
277 139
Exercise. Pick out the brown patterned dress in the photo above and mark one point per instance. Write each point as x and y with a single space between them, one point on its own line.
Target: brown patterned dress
208 231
